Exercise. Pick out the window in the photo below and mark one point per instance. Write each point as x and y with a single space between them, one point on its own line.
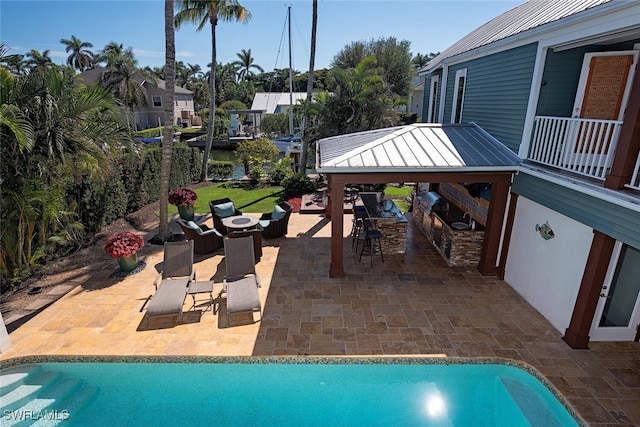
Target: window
433 98
157 101
458 96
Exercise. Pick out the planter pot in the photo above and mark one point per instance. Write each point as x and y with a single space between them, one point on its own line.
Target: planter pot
186 212
128 263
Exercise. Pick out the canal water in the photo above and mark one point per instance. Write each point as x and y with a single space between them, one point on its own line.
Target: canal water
228 156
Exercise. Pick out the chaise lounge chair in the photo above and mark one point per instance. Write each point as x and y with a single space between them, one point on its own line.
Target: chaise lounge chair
241 281
256 235
173 281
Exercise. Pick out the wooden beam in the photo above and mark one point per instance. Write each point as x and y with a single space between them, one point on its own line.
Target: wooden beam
506 241
577 334
336 209
493 230
628 148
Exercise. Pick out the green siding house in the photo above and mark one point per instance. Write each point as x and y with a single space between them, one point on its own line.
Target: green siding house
557 83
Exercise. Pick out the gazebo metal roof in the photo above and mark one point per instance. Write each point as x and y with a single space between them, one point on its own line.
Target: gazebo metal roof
421 147
424 152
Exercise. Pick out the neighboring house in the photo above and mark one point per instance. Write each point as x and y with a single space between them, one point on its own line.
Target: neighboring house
416 98
152 114
275 102
557 82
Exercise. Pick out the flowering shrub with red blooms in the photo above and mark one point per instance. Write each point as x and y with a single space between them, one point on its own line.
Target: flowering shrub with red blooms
182 196
124 243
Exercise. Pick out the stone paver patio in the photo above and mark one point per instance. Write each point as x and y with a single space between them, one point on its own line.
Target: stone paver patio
411 304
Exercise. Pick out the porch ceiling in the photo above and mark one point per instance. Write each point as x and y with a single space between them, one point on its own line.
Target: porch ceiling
422 147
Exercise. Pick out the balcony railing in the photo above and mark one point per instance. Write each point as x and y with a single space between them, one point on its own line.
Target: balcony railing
583 146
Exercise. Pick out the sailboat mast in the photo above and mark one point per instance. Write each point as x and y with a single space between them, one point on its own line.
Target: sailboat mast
290 76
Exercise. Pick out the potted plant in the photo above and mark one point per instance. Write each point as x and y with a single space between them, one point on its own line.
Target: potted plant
124 246
184 199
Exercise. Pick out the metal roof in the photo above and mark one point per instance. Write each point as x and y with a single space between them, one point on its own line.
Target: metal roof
270 101
527 16
420 147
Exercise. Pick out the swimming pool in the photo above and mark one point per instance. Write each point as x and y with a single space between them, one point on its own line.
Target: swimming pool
278 392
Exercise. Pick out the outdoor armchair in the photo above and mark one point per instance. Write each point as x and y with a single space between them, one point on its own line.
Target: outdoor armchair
220 209
205 240
276 223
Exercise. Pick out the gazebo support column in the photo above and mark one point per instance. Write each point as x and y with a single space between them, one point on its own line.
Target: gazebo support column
577 334
488 265
336 212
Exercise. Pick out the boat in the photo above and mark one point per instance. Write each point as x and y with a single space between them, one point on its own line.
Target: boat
285 143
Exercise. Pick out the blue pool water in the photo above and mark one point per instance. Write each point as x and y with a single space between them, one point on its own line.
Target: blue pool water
279 394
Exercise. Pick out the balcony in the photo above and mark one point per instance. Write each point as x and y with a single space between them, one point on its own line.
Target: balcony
582 146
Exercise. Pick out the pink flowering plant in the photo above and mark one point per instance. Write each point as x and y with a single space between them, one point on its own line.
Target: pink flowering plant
124 243
182 196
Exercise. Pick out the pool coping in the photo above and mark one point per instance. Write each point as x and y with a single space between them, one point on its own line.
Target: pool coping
311 360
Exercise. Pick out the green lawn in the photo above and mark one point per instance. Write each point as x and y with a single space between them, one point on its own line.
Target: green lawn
257 200
399 195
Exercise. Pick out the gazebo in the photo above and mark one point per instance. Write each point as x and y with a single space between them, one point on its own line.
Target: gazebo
422 152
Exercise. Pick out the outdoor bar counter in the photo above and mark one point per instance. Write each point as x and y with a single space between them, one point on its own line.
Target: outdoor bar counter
387 217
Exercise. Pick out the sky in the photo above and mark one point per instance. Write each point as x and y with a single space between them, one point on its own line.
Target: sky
429 25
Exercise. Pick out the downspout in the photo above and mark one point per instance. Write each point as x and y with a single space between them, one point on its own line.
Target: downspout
534 95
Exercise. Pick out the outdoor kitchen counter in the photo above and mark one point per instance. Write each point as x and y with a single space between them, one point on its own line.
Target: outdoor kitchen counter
387 217
458 247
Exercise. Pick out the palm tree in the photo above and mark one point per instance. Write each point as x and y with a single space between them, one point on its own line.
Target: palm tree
124 79
51 128
182 74
38 61
225 76
80 58
13 63
421 60
201 13
195 71
167 140
312 57
245 64
111 52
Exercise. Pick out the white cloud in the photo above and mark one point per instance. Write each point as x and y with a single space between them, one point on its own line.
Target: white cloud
148 53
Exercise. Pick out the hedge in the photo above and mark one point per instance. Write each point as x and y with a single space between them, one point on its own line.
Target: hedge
132 182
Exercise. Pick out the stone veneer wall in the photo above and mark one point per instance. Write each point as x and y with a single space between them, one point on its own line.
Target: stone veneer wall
395 235
459 196
466 245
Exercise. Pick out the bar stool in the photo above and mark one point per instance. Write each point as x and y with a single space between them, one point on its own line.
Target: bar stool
372 241
359 216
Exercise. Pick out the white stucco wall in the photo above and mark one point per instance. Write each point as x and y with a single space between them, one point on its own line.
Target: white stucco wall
547 273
